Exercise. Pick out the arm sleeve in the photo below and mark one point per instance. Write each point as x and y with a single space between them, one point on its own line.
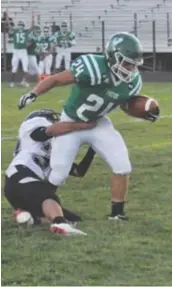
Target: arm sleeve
84 71
80 169
34 127
39 135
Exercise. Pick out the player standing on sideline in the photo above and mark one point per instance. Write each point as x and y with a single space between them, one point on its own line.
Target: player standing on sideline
33 50
20 38
100 84
65 40
47 46
26 185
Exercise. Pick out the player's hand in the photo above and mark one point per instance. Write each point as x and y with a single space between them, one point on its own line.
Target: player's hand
153 115
26 100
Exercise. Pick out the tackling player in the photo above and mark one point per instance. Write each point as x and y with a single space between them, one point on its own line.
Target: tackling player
26 185
47 45
65 40
20 37
33 50
100 85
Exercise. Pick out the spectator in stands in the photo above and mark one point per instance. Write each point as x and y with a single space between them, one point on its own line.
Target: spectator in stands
6 23
55 28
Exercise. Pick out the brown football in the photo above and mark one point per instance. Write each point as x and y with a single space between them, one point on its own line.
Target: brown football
139 105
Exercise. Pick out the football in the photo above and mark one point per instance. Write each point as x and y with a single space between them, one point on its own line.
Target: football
139 105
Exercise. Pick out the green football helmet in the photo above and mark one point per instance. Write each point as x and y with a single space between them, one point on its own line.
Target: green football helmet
37 30
124 54
64 27
46 31
21 25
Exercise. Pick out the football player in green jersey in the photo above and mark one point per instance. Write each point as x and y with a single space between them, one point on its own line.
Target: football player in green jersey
99 85
64 41
33 48
47 44
20 36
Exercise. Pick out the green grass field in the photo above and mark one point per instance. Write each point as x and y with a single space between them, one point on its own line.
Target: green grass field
138 252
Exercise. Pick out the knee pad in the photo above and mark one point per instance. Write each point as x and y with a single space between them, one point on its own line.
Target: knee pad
58 175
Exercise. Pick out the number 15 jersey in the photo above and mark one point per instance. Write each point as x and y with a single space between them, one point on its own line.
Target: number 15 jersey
96 91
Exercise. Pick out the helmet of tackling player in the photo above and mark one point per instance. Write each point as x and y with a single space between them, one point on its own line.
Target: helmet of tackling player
64 27
46 31
50 115
124 54
21 25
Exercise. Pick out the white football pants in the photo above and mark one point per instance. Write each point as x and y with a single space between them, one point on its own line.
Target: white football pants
45 65
103 138
19 55
33 65
66 54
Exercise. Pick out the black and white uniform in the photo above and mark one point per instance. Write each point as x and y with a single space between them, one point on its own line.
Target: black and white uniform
26 185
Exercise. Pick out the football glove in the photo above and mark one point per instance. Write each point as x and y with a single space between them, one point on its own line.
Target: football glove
26 100
153 115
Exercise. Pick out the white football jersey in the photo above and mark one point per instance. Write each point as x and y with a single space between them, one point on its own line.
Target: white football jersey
32 154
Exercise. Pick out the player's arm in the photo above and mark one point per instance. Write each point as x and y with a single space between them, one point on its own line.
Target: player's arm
59 79
72 41
57 129
81 72
11 31
80 169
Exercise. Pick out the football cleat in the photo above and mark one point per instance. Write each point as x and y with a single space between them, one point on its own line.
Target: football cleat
25 84
22 216
65 229
12 85
119 217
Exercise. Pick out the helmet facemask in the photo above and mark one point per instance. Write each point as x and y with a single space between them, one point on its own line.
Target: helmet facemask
64 27
37 31
21 26
46 32
125 68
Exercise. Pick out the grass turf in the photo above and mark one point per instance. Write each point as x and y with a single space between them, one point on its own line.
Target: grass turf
137 252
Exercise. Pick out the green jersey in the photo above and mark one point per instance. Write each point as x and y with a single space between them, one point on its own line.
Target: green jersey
46 43
34 44
20 38
96 91
64 40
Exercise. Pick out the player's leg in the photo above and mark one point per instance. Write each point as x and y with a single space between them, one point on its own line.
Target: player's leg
59 58
33 67
67 59
48 64
63 153
25 191
41 69
14 62
110 145
25 62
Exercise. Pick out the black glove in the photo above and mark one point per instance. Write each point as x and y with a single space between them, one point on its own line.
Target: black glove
26 100
153 115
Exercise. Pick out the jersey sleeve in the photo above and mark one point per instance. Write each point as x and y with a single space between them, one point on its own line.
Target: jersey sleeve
72 36
86 70
29 126
30 37
136 85
52 40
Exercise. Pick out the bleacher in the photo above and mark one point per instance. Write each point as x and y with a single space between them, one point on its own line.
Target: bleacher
85 17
